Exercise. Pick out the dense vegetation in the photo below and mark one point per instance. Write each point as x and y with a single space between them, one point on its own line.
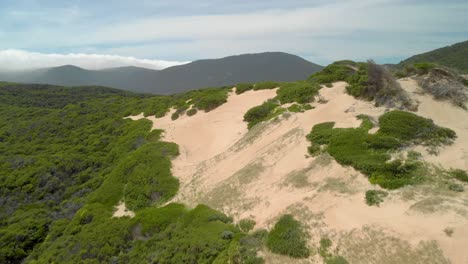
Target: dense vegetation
69 156
299 92
288 237
370 153
260 113
453 56
368 81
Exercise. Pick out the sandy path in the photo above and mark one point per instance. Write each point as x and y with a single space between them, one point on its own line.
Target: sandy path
265 172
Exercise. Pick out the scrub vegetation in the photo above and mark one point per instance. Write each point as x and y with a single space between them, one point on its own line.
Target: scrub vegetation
288 237
69 157
371 153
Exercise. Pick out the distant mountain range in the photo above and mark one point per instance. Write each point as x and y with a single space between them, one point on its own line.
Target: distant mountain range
269 66
454 56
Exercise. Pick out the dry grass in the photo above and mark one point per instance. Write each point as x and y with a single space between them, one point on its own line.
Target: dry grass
374 246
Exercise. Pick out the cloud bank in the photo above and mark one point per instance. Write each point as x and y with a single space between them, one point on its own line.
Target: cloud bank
318 30
13 60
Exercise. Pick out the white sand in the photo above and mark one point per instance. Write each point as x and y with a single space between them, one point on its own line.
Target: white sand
265 172
121 211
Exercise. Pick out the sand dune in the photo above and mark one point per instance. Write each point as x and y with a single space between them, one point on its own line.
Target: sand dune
266 172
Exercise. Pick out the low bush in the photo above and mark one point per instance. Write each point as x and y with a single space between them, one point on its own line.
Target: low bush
266 85
201 235
413 128
209 99
456 187
423 67
192 112
295 108
260 113
299 92
375 197
370 153
288 238
246 225
337 71
243 87
149 176
459 174
321 133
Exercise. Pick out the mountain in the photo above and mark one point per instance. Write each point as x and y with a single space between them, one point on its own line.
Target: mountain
454 56
269 66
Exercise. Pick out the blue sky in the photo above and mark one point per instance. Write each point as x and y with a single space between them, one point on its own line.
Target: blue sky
170 32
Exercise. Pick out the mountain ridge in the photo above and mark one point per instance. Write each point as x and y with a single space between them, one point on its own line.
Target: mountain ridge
255 67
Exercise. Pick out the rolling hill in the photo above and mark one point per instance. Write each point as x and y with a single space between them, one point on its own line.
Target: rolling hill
270 66
454 56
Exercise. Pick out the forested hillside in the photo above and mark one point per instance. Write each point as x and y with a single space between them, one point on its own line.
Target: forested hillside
68 157
453 56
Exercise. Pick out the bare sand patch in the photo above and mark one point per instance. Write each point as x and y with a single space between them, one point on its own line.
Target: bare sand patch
121 211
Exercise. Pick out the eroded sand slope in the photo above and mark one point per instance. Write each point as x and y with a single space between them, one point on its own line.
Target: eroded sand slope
266 172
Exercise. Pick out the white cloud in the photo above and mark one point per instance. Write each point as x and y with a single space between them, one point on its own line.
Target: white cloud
22 60
322 32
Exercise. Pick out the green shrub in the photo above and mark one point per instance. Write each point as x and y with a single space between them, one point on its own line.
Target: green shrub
321 133
307 107
456 187
246 225
201 235
175 116
154 135
259 113
370 153
266 85
149 176
414 155
459 174
423 67
154 220
210 100
299 92
337 71
375 197
465 81
413 128
295 108
192 112
243 87
288 238
314 150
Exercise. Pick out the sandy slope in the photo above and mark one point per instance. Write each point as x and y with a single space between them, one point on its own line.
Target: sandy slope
265 172
444 114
